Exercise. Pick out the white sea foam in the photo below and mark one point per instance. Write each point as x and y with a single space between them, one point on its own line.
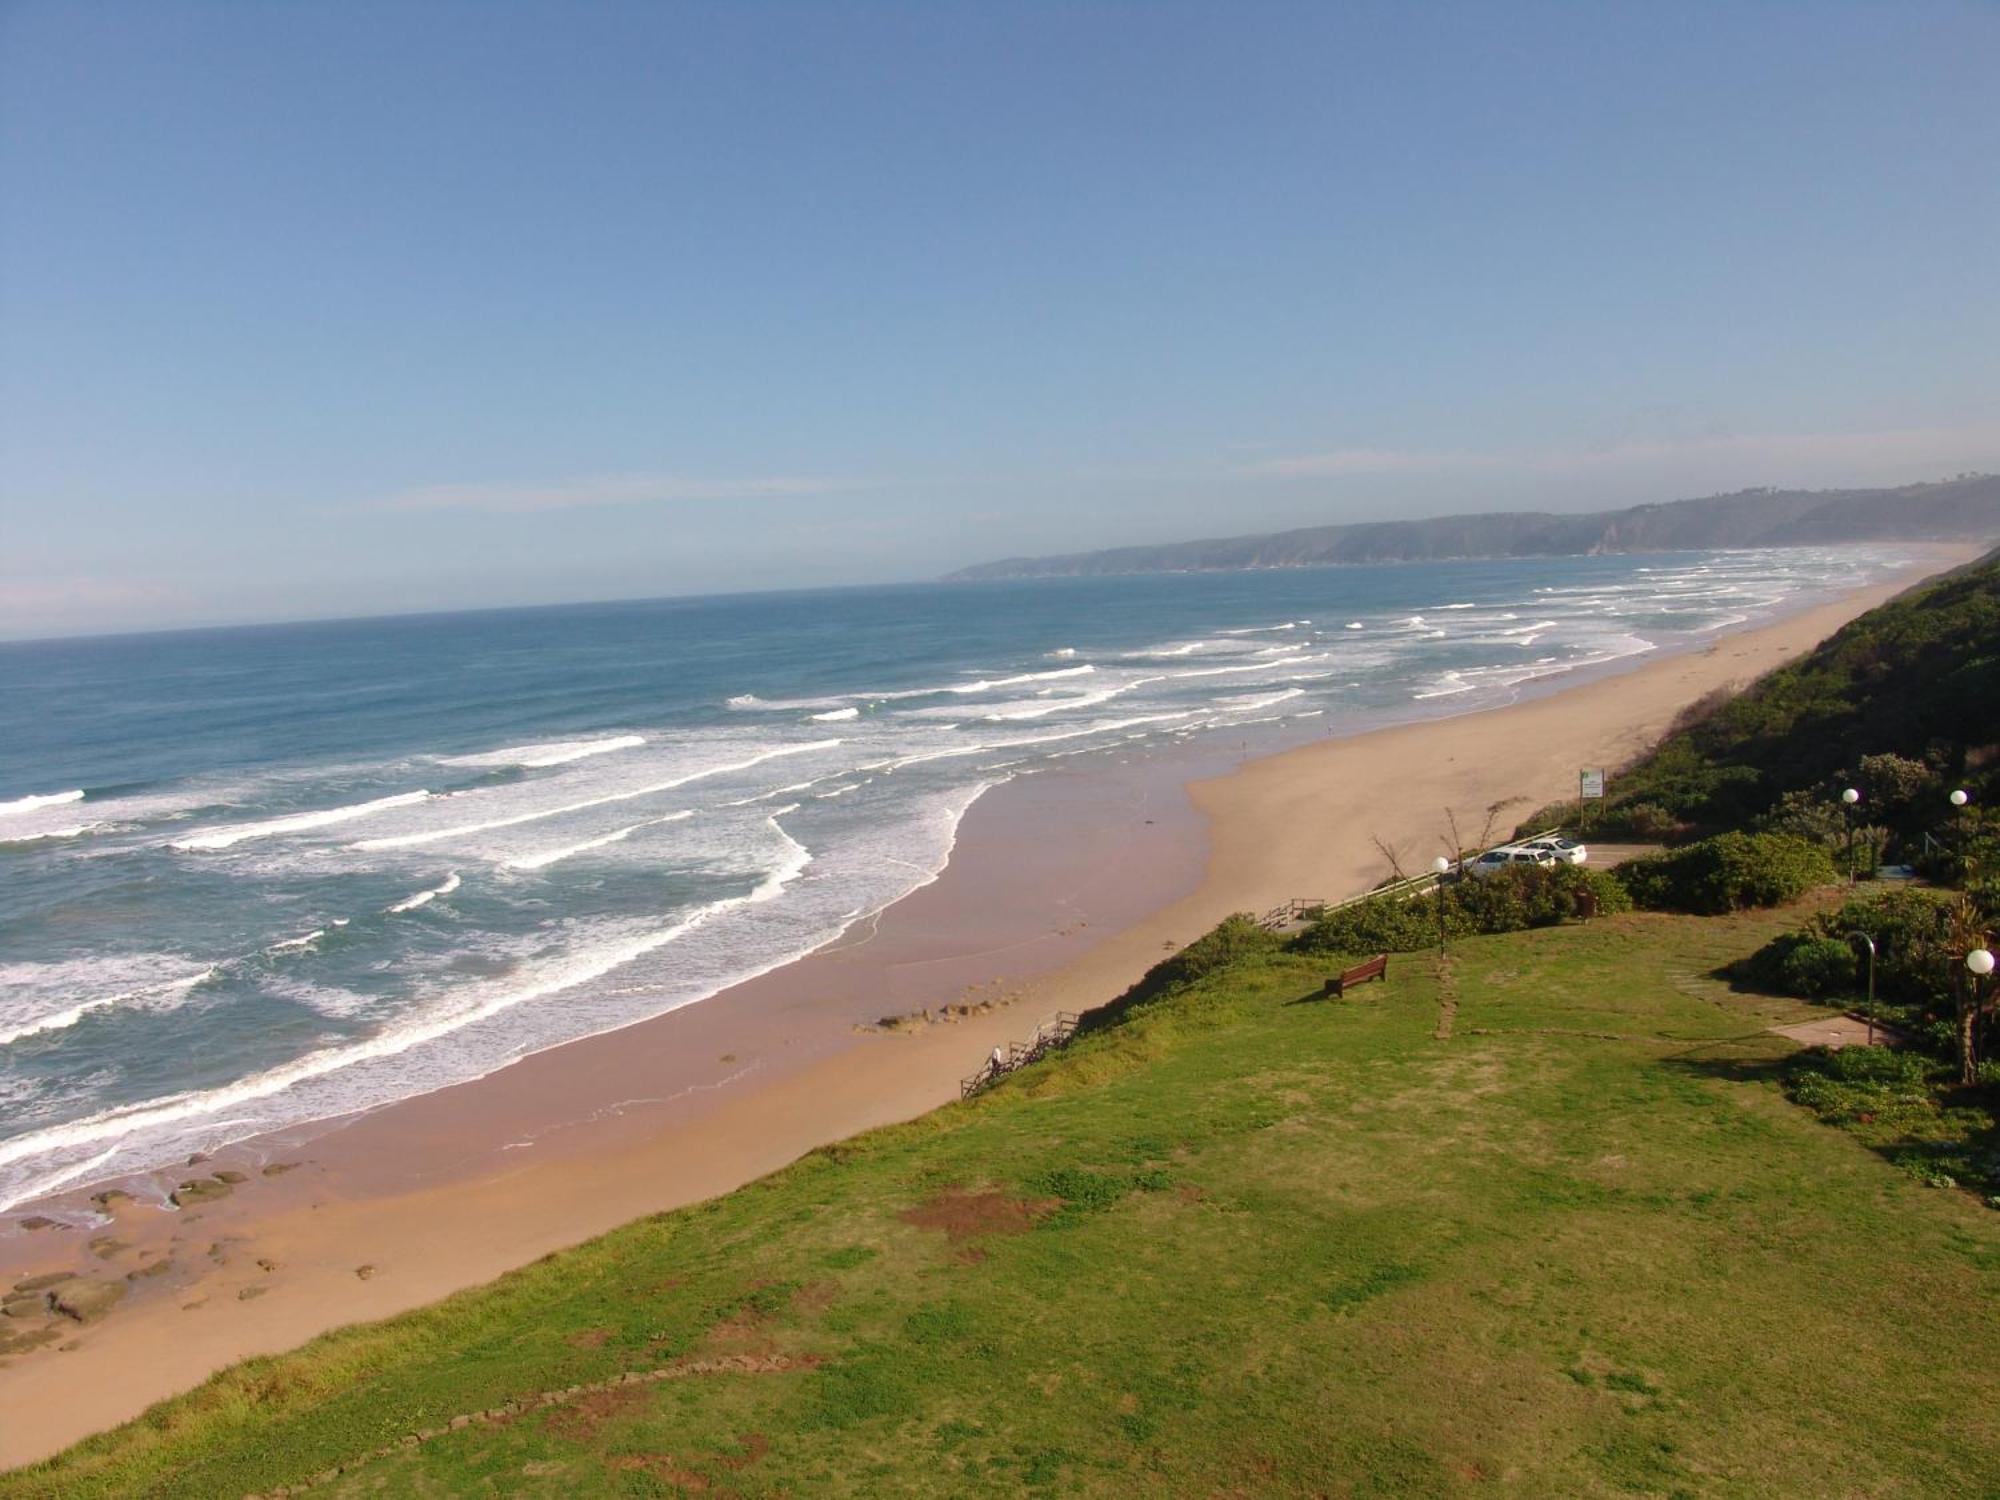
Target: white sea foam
63 1019
224 838
1037 739
76 831
42 799
558 753
785 791
1291 659
1265 629
834 715
411 840
1042 708
298 942
1062 651
120 1124
1510 675
544 860
1251 704
751 703
424 898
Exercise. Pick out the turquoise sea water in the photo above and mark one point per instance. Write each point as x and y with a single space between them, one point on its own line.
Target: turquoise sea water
254 877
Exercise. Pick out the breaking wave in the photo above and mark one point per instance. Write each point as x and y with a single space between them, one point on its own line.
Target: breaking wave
225 838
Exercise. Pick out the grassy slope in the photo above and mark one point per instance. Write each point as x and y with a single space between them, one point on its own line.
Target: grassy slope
1581 1247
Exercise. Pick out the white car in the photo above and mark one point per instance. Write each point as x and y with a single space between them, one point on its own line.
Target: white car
1495 860
1567 850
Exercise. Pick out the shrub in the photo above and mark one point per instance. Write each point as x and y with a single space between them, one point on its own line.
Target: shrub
1897 786
1645 820
1819 966
1381 924
1914 967
1525 897
1871 1065
1728 871
1810 815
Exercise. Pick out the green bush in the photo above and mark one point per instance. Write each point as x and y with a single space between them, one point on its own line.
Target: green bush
1898 788
1643 820
1728 871
1812 815
1528 896
1915 969
1381 924
1871 1065
1799 963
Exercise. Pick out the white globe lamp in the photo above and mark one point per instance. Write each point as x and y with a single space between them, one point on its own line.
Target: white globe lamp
1980 961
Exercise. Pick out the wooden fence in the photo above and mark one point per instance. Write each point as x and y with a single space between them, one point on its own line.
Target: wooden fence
1051 1034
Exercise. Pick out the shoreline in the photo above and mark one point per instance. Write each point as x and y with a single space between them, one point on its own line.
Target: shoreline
444 1191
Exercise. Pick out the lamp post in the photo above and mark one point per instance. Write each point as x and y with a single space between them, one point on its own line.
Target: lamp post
1958 799
1847 800
1870 943
1438 867
1980 962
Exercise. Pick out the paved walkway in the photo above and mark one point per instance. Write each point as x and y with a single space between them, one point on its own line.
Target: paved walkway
1838 1032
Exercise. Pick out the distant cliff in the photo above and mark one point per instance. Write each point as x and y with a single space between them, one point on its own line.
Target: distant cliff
1954 509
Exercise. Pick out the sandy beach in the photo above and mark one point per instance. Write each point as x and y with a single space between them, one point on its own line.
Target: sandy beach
1063 890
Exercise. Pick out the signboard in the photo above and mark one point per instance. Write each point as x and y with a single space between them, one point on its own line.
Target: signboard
1590 784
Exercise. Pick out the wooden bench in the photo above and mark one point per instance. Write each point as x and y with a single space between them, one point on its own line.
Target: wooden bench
1374 968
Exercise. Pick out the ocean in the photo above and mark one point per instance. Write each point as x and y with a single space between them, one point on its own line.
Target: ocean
255 877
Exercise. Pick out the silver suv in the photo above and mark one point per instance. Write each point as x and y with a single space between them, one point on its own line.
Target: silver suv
1496 860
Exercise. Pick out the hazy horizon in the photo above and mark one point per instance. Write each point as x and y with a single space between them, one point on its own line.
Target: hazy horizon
333 311
666 596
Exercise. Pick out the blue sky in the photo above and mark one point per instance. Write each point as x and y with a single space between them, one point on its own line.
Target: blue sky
326 308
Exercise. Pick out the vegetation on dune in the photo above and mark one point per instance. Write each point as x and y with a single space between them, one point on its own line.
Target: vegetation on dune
1896 704
1242 1241
1530 896
1728 871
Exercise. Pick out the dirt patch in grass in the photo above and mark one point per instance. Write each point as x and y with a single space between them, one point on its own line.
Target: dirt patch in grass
588 1338
815 1297
660 1466
741 1332
963 1215
755 1446
580 1420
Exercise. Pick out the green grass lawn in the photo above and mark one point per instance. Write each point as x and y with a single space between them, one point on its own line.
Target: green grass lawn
1246 1243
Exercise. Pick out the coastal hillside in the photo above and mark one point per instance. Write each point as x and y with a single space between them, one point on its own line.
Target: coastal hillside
1540 1221
1568 1210
1896 704
1955 509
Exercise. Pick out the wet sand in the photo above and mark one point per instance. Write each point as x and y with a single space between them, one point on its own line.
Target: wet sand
1063 889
